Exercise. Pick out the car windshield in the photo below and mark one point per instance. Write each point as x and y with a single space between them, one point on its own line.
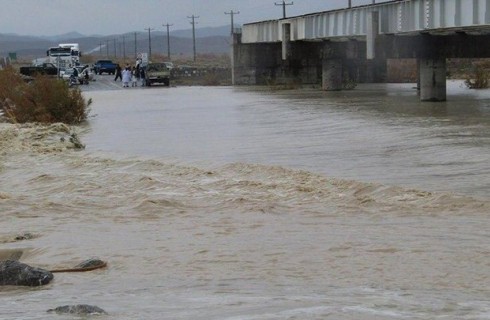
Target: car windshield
157 67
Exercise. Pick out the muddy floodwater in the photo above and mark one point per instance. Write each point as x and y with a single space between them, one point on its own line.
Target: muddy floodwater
255 204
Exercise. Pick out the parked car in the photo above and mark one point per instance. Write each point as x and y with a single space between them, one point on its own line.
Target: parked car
81 75
45 68
157 73
82 70
170 65
106 66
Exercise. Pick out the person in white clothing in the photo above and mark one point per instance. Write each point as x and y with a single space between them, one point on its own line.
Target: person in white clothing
126 77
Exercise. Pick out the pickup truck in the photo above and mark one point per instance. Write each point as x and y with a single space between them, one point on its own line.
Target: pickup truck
106 66
45 68
157 73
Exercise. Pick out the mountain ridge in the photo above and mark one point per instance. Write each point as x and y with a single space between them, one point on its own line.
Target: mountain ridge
209 40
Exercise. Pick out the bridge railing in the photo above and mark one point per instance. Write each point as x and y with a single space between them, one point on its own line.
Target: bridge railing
398 16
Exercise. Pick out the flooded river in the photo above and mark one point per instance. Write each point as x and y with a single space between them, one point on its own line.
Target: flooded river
249 203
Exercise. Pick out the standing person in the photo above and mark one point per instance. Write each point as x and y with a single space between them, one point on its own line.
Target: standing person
126 77
134 80
142 76
137 71
118 73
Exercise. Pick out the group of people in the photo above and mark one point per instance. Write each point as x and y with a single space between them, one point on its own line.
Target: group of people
130 75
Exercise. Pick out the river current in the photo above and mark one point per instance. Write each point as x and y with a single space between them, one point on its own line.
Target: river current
253 203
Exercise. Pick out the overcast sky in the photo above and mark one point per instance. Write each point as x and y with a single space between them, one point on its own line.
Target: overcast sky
105 17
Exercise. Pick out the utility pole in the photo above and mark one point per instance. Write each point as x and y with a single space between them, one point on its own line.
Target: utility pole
115 51
350 4
168 38
194 33
135 46
284 4
232 13
124 47
107 48
100 48
149 42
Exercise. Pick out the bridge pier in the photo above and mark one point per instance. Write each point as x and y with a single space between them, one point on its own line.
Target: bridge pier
432 75
332 74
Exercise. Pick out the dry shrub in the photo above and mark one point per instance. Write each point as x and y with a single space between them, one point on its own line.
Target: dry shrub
402 70
479 78
45 100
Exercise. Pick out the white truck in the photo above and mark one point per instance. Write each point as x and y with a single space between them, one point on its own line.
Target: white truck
65 55
60 57
75 51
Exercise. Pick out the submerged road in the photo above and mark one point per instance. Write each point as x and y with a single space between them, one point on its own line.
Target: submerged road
106 82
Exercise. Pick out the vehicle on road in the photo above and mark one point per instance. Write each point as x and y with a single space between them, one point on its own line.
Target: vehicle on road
60 57
86 72
157 73
81 78
105 66
45 69
75 52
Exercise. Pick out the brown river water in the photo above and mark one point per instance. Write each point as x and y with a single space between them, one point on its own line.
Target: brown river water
252 204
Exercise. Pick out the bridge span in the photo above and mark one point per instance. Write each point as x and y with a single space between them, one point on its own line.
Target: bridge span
353 44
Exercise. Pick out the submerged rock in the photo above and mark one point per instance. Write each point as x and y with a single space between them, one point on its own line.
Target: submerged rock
87 265
80 309
15 273
91 264
24 236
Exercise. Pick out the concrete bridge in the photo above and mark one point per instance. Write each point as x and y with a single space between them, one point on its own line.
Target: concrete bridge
353 44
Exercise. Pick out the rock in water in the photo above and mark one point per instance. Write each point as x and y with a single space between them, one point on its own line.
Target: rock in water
80 309
15 273
91 264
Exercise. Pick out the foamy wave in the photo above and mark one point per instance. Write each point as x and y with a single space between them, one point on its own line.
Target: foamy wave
348 195
37 138
150 186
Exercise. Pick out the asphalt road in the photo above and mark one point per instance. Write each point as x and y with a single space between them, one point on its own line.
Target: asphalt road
106 82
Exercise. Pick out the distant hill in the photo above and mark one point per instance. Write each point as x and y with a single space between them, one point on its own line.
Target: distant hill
214 40
66 36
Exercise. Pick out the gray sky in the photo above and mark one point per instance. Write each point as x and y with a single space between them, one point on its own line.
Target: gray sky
105 17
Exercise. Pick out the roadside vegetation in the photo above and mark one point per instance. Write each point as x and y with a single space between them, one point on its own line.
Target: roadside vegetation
478 78
43 100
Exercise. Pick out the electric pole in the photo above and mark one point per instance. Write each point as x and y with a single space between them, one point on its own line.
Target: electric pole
350 4
135 46
100 48
284 4
124 47
107 48
115 51
232 13
194 33
149 42
168 38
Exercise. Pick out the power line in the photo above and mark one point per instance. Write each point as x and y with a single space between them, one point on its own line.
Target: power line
232 13
168 38
284 4
193 17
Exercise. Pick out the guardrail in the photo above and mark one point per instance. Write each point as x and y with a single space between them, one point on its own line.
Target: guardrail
398 16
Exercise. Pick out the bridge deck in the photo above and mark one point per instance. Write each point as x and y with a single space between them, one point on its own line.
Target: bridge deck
395 17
